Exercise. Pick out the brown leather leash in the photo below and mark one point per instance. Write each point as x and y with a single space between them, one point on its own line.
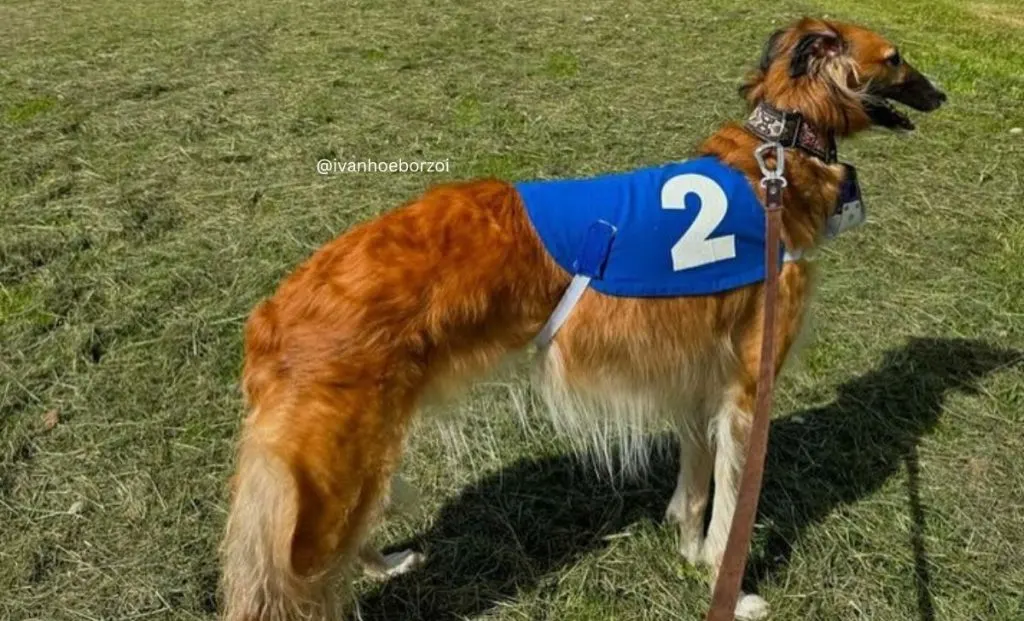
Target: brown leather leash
734 560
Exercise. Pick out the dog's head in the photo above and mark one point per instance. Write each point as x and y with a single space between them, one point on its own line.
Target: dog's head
839 76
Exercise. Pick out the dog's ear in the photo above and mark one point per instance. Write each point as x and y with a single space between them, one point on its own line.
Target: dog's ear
768 55
769 52
812 46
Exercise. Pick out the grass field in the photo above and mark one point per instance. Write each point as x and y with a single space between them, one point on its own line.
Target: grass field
157 178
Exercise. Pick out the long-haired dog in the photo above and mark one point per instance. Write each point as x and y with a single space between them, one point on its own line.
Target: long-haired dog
415 302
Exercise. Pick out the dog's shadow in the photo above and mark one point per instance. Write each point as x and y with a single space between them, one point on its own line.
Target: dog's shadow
507 531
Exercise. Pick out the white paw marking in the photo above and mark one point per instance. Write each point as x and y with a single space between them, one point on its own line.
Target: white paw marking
751 607
692 548
399 563
691 540
674 512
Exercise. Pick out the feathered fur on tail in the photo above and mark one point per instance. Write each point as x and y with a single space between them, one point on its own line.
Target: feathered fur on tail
258 581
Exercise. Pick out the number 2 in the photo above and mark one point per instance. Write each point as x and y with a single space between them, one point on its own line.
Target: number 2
696 247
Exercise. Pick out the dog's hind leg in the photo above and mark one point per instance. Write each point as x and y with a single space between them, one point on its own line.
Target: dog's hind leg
402 499
389 565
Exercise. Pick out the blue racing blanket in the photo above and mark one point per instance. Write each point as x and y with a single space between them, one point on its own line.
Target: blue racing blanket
685 228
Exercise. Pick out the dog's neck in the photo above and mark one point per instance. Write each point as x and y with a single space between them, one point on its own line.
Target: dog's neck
791 129
813 185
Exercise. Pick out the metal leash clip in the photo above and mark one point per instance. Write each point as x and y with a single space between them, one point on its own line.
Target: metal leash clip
780 163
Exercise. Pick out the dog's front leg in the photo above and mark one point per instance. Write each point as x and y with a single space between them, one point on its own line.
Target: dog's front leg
732 426
692 489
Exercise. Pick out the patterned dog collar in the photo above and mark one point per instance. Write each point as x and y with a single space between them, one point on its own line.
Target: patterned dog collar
791 129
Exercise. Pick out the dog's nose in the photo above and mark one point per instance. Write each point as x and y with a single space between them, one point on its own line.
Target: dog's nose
934 100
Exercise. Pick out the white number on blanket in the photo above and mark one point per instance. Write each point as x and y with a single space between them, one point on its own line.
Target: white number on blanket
695 248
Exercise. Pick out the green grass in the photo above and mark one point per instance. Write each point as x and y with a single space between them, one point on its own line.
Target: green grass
157 179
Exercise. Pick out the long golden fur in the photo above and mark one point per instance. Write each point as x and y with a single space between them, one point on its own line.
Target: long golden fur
425 297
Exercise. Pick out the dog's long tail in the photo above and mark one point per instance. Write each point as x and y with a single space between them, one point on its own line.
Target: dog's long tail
314 474
313 467
261 580
258 581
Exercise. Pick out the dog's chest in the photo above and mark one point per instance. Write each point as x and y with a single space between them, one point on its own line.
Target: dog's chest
685 228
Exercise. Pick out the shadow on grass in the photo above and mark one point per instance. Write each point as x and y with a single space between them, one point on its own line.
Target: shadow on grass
506 532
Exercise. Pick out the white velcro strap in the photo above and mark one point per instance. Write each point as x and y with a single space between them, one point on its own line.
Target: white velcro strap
569 299
796 255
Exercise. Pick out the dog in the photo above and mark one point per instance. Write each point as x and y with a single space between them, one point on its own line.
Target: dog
411 305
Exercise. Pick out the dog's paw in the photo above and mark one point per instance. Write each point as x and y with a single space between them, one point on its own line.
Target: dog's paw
691 536
711 555
692 548
403 562
674 513
751 607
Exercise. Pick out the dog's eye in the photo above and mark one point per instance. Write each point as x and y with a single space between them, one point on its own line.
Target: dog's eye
894 59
